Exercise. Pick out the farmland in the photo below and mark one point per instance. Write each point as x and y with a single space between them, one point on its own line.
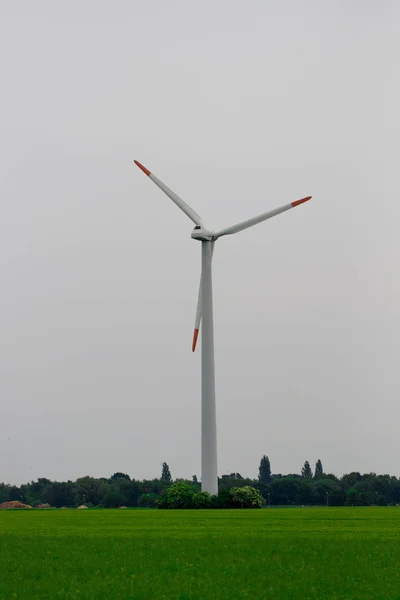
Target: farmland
304 553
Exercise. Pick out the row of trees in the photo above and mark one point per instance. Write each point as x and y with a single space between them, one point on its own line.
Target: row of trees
265 476
305 488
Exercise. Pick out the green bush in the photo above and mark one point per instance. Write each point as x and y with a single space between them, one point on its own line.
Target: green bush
223 500
202 500
245 497
182 495
163 502
178 495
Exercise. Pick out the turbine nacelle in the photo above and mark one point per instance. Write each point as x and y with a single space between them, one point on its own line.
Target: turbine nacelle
202 234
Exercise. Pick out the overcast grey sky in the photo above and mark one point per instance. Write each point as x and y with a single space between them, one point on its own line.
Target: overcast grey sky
239 107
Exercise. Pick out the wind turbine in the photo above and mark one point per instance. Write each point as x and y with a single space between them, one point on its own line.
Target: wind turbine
207 237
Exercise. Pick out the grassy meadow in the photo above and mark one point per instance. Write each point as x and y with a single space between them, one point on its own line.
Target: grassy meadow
304 553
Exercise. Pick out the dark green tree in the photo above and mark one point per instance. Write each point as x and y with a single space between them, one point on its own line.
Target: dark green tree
287 491
14 493
166 474
353 497
119 476
90 490
148 500
194 478
319 471
59 494
326 492
264 470
349 479
128 488
151 486
226 482
114 500
306 471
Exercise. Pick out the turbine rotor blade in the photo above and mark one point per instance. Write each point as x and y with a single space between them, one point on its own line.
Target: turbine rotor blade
198 310
197 319
260 218
178 201
195 336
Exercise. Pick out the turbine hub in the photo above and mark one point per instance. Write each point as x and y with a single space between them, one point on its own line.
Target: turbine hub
202 234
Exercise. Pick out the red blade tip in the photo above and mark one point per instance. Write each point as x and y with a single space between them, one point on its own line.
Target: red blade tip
297 202
137 163
195 336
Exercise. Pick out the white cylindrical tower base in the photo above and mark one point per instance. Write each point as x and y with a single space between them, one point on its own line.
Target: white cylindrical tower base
209 476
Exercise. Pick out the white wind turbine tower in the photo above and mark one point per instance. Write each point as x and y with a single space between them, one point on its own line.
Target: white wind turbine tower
207 237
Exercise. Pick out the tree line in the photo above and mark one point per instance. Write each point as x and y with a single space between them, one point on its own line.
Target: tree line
309 487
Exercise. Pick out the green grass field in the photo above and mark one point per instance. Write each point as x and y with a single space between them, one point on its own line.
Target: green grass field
322 553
